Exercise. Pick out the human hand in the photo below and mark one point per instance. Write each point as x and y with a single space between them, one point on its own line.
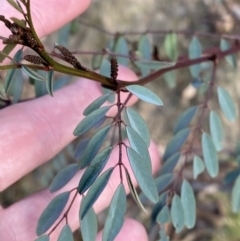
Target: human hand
33 132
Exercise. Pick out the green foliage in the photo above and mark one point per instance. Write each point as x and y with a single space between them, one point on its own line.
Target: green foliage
93 153
116 214
52 212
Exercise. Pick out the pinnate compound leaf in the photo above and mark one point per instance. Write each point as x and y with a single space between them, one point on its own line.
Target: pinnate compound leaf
93 171
115 218
133 191
170 46
43 238
96 104
93 146
184 119
227 104
231 59
89 121
63 177
33 74
176 143
189 204
198 166
144 47
138 145
89 226
164 215
145 94
162 181
138 124
94 192
210 155
216 130
236 196
96 61
177 214
143 175
194 52
6 51
52 212
66 234
49 82
121 47
80 148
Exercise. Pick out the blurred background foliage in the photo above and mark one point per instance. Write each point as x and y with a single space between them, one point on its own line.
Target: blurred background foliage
215 220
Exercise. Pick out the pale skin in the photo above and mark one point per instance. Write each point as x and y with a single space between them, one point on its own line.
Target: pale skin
33 132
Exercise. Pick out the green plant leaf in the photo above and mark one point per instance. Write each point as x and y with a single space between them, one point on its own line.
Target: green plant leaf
96 104
198 166
33 74
184 119
133 191
115 218
138 124
143 175
93 171
231 176
164 215
16 87
89 121
121 47
216 130
189 204
81 148
171 46
89 226
21 23
210 155
6 51
176 143
170 78
52 212
43 238
66 234
177 214
94 192
49 82
93 146
11 72
138 145
163 236
194 52
63 35
105 68
144 47
162 181
231 59
144 94
236 196
170 163
63 177
227 104
15 5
